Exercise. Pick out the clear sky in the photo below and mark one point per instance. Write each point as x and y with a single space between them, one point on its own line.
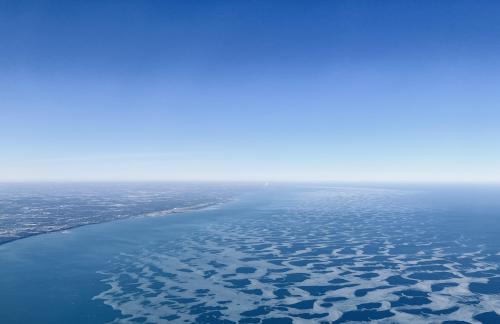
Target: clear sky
250 90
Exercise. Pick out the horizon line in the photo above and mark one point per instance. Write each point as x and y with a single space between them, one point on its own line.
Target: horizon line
255 181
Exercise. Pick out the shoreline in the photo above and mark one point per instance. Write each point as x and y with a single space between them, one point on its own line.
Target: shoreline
180 210
160 213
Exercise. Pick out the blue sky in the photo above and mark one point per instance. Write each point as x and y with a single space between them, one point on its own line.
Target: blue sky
250 90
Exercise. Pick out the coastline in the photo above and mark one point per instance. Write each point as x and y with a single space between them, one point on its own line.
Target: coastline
160 213
180 210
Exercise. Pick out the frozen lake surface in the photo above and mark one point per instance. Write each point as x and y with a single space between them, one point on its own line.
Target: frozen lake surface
279 254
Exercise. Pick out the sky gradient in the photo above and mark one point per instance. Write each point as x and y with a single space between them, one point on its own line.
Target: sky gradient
250 90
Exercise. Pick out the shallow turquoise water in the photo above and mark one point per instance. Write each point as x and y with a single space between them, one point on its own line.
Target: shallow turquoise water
289 253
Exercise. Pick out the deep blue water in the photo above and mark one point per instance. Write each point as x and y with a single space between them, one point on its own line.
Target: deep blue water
283 254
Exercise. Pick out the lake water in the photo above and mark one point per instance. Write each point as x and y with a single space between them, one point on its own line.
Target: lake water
280 254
